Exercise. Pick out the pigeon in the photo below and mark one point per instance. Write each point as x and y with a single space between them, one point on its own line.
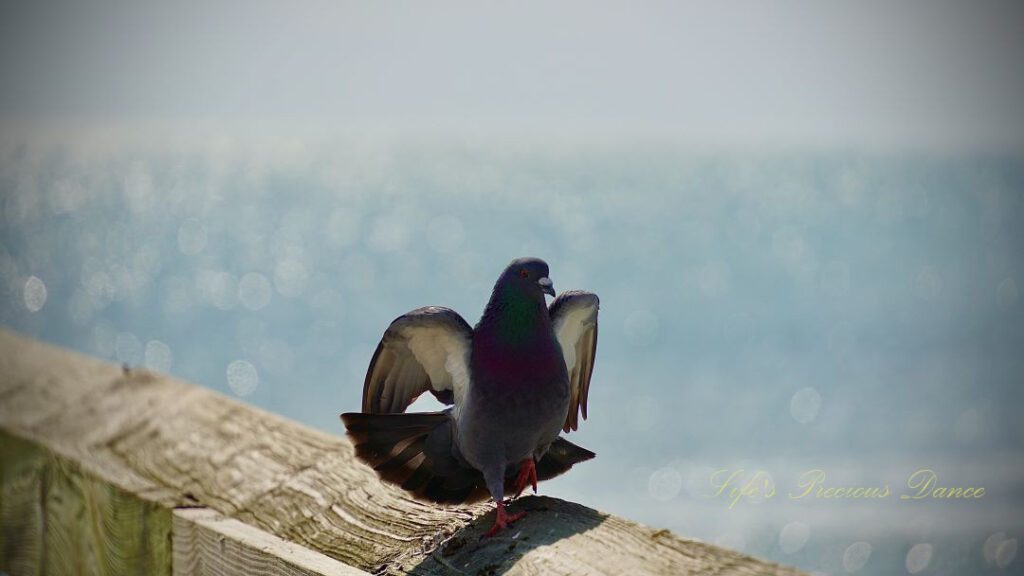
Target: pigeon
512 383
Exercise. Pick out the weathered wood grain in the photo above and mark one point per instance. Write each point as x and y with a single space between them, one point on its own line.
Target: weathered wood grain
172 444
57 519
206 543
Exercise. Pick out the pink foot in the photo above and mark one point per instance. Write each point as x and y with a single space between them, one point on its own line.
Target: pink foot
527 475
503 520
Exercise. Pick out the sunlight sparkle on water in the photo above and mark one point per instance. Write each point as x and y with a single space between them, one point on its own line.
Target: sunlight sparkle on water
919 557
254 291
158 356
34 294
1006 552
793 537
223 290
804 405
290 277
999 550
664 483
856 556
242 377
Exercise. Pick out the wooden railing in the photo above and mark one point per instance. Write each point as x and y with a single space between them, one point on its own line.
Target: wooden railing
105 470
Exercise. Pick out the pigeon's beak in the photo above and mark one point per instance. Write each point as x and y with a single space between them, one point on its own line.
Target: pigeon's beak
546 286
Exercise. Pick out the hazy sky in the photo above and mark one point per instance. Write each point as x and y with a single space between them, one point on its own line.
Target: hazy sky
891 74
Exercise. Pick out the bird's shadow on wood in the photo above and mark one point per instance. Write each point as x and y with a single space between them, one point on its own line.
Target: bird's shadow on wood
547 521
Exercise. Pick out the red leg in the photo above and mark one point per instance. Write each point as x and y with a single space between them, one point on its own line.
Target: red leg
527 475
503 520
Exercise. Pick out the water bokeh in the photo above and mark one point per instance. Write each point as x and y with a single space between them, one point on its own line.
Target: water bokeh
853 313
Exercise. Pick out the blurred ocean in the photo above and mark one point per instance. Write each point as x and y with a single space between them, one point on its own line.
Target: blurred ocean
854 313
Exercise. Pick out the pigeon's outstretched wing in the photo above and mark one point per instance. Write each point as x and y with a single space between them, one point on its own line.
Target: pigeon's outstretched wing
574 320
424 350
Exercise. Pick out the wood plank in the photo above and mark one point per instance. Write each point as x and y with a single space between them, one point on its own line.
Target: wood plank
207 543
58 519
179 445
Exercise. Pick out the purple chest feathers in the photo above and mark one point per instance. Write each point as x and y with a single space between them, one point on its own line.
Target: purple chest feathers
523 362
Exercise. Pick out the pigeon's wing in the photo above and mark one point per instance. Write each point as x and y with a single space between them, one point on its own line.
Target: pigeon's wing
424 350
574 320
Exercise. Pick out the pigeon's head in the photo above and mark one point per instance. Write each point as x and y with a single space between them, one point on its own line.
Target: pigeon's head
529 275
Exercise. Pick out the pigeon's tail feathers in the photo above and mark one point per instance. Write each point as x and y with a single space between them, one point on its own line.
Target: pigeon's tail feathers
560 457
415 451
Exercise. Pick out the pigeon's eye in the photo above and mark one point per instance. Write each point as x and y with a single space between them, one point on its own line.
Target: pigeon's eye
524 273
